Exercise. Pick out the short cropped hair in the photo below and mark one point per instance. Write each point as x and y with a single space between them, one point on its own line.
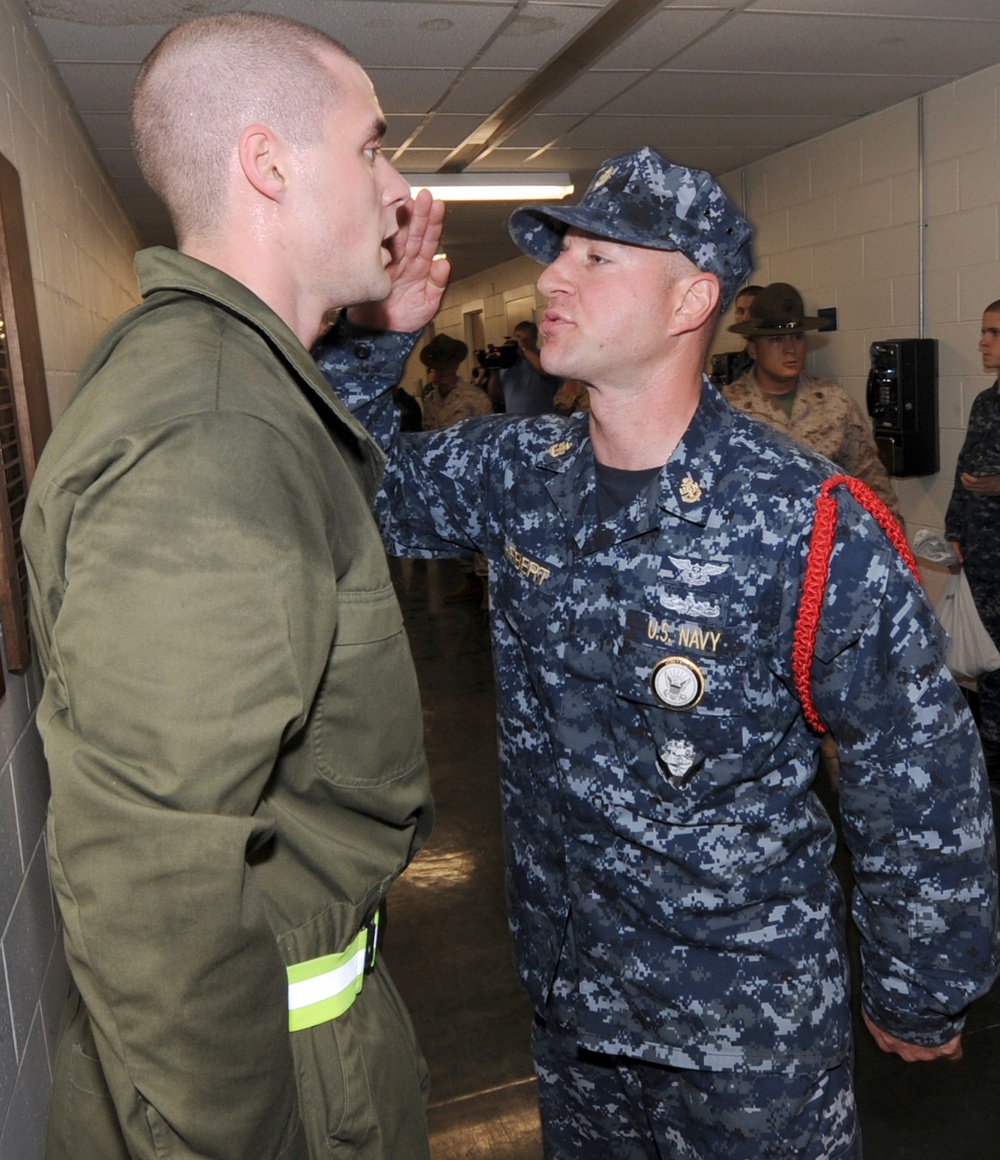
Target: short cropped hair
993 308
753 291
204 83
530 327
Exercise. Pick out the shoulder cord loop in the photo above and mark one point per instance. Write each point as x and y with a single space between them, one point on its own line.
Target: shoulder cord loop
817 574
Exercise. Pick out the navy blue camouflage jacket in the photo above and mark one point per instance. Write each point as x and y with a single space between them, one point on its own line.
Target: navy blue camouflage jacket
668 861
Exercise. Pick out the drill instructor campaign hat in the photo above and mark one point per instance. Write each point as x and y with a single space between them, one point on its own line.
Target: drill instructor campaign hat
643 200
443 351
777 309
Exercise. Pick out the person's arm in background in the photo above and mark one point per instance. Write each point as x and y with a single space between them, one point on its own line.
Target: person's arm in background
860 458
495 389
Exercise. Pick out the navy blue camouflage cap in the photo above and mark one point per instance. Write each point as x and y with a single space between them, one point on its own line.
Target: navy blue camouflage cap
642 199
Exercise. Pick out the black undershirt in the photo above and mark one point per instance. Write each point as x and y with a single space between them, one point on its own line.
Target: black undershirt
617 488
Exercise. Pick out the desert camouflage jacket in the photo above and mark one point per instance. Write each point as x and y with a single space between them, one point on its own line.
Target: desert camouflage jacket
825 419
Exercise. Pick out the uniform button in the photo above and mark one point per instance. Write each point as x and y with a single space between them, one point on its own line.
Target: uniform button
362 350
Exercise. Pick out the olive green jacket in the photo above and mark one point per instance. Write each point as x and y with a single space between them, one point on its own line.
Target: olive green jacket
230 710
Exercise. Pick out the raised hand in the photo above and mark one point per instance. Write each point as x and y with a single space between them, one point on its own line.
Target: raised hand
417 280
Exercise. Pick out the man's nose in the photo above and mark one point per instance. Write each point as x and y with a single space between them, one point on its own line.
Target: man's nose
395 187
553 277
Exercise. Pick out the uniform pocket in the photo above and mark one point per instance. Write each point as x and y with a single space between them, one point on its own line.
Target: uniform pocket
686 681
362 1080
524 586
83 1124
368 730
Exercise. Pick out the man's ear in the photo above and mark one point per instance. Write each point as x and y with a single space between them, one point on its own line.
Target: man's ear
698 303
263 159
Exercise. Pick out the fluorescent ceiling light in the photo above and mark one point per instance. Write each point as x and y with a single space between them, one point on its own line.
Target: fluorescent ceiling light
492 186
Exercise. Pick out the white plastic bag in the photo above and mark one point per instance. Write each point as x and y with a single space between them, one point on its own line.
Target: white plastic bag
971 650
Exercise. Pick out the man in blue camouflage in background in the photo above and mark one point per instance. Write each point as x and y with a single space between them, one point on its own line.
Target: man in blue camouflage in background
676 920
972 524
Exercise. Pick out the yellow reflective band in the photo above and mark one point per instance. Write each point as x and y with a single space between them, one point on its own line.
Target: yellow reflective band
323 989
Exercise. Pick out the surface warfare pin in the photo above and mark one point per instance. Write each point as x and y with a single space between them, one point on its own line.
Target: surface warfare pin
677 683
679 757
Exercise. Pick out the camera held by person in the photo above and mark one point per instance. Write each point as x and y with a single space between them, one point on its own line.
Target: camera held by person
495 358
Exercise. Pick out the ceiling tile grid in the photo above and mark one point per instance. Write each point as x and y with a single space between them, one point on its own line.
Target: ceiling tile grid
560 84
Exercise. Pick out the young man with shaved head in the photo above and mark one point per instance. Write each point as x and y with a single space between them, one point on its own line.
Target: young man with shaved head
233 792
662 682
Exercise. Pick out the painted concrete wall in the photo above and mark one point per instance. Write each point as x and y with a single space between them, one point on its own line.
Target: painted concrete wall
81 245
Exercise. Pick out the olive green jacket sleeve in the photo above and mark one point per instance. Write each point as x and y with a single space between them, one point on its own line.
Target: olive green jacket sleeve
229 792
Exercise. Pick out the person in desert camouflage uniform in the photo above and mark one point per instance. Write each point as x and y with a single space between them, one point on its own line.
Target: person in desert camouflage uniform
448 398
816 412
676 920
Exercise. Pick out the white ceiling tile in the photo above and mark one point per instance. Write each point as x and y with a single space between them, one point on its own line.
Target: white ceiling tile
400 127
537 34
955 10
70 40
674 92
107 130
666 133
121 163
795 43
482 90
502 160
435 35
591 91
442 131
99 87
410 90
665 34
421 160
538 131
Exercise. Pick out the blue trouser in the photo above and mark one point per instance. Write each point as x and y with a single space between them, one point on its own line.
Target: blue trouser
598 1107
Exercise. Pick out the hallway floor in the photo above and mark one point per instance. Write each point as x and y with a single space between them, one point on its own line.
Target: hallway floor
449 951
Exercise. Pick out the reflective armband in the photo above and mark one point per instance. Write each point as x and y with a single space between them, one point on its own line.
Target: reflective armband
323 989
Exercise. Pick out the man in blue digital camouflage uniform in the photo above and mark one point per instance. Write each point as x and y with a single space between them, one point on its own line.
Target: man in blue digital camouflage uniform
972 523
676 921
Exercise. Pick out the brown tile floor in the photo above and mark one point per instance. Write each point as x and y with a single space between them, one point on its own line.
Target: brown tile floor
449 949
447 943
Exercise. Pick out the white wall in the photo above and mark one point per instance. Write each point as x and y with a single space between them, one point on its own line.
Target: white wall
81 246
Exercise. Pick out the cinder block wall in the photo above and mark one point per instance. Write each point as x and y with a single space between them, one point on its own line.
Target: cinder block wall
81 246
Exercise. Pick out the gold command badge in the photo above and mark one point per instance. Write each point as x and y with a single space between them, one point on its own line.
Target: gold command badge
690 491
558 449
677 683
